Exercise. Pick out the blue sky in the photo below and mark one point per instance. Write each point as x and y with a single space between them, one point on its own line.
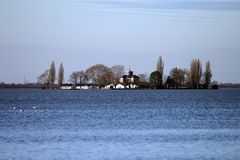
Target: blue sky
133 33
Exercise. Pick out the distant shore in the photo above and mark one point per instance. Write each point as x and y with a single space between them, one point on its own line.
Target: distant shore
38 86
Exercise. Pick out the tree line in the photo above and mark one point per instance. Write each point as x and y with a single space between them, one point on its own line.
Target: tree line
192 78
48 77
101 75
98 74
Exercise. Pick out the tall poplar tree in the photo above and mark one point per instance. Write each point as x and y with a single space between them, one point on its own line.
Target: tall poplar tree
195 73
160 68
207 75
52 76
60 75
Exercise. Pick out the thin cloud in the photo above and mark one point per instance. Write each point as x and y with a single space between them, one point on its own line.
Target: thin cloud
213 5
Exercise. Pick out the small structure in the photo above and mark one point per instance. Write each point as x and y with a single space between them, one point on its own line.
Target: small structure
84 86
66 86
133 86
110 86
120 86
129 81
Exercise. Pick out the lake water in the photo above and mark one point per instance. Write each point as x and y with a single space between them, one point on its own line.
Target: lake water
139 124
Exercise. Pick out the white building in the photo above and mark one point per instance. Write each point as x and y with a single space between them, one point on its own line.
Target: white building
66 86
110 86
120 86
78 86
133 86
129 81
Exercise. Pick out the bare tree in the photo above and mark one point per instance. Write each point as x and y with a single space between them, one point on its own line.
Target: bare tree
178 75
160 68
43 79
52 76
207 75
117 71
60 74
82 77
99 74
195 73
143 77
106 78
74 78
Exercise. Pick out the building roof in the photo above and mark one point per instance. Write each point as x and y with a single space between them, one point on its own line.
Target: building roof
66 84
82 84
130 75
